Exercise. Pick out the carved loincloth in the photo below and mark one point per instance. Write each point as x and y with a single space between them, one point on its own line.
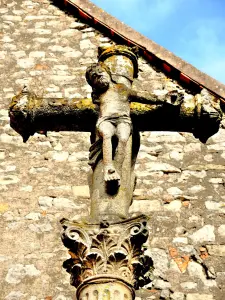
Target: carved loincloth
114 120
95 151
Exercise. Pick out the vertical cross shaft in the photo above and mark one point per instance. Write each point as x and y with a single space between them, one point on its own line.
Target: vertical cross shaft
107 260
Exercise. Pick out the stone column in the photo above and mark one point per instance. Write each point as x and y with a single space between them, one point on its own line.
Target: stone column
105 288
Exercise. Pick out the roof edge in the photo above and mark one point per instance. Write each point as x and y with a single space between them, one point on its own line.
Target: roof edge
186 69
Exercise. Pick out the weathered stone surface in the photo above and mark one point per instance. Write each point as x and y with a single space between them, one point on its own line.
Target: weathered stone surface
33 216
189 285
221 230
164 167
65 203
180 240
160 261
177 296
216 250
174 191
45 201
81 191
161 284
196 189
196 270
15 295
46 60
8 179
18 272
164 294
204 234
40 228
213 205
145 206
77 25
173 205
86 44
199 297
164 137
192 147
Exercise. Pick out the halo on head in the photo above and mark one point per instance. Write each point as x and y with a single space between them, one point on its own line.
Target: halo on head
104 53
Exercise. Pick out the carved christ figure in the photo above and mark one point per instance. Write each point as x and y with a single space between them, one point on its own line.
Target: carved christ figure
111 81
114 114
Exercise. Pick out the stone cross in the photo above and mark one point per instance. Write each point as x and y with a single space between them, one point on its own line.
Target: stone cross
115 124
107 247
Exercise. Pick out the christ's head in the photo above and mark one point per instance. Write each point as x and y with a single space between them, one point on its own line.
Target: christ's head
98 76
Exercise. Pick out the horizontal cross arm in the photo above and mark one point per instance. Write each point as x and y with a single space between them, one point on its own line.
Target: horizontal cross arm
30 114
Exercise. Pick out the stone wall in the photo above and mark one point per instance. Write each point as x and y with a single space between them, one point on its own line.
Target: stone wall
180 181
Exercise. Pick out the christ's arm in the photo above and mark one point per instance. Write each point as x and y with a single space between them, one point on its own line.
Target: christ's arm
173 98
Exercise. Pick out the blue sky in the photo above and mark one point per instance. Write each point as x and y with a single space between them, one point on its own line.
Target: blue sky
192 29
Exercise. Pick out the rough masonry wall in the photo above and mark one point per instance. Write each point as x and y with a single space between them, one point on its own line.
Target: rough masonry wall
180 181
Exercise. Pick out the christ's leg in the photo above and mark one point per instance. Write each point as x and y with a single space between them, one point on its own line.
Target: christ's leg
123 133
107 131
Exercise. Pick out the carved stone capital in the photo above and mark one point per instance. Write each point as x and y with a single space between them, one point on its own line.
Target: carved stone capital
107 252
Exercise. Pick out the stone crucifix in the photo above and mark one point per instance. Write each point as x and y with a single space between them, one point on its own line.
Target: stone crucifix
114 122
107 258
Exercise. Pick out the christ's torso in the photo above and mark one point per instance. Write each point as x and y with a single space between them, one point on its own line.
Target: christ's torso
114 102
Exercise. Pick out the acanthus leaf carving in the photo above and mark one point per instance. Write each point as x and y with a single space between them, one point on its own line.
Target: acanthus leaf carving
113 249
